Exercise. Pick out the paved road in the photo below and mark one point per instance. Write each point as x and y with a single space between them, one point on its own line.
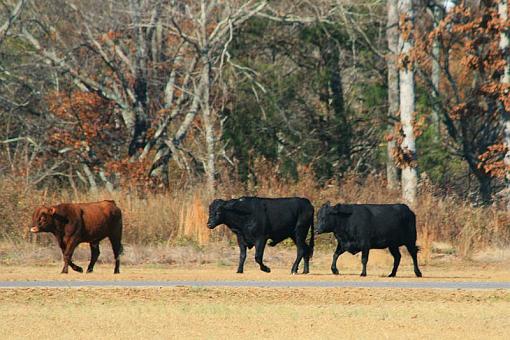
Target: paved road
418 284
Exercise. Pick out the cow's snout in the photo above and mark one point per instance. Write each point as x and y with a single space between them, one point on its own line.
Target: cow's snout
34 229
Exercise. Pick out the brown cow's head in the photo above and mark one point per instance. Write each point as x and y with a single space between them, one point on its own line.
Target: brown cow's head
43 220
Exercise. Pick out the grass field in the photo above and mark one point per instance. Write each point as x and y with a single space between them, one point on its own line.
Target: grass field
218 313
253 313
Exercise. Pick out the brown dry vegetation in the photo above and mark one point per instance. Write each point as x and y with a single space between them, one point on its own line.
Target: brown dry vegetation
155 222
218 313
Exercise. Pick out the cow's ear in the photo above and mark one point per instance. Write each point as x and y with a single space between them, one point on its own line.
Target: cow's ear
343 209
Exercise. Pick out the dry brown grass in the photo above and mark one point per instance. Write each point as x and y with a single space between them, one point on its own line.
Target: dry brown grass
217 262
253 313
180 216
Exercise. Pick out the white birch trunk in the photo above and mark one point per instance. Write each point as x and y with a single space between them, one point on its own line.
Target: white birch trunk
505 80
206 109
393 94
436 75
406 73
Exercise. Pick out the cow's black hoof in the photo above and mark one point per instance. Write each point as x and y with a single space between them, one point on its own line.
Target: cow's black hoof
418 274
335 271
78 269
392 275
306 272
89 270
266 269
239 272
363 274
117 272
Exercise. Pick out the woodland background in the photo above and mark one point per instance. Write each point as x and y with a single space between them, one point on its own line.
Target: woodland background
164 104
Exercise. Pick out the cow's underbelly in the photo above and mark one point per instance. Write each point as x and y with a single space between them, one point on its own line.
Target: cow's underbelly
278 236
93 236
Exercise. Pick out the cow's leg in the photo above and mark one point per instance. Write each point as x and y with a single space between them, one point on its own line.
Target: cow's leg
306 268
336 254
71 245
260 244
94 254
242 254
364 261
300 253
396 260
413 250
117 250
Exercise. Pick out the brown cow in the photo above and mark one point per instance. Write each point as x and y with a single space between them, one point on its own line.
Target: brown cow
74 223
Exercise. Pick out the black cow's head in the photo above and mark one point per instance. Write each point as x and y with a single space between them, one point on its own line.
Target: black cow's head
43 220
328 217
216 213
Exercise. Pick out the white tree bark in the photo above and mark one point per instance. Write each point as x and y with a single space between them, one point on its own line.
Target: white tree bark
407 105
505 81
436 73
206 109
393 93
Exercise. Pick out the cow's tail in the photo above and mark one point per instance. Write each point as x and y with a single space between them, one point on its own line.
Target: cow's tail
312 236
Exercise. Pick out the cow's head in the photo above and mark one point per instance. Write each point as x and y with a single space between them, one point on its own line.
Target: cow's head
216 213
43 220
328 217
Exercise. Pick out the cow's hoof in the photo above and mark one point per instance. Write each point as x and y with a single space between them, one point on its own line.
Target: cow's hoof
266 269
418 274
392 275
293 273
363 274
306 272
63 272
78 269
117 272
89 270
239 272
335 271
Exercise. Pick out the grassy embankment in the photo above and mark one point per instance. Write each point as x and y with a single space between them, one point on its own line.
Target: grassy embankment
170 228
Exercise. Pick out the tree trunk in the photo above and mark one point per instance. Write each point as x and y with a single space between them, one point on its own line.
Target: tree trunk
393 93
209 130
409 169
505 81
485 188
436 74
210 167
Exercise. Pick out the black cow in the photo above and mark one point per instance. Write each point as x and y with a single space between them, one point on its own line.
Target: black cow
254 220
361 227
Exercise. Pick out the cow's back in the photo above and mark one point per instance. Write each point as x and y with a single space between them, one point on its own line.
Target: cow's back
284 214
384 224
99 218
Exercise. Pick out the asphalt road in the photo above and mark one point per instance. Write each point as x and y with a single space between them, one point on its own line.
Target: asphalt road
418 284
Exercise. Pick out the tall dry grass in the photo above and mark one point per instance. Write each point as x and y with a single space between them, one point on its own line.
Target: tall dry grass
180 216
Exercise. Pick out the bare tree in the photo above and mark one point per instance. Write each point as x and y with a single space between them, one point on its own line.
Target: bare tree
504 43
117 51
393 89
12 16
407 102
